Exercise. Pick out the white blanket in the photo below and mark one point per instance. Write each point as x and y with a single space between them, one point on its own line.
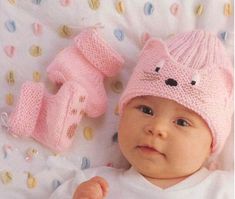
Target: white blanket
32 32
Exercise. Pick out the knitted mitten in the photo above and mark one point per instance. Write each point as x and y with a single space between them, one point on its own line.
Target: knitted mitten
88 62
50 119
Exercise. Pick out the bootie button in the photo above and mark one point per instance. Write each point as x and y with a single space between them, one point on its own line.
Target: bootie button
74 111
82 99
71 130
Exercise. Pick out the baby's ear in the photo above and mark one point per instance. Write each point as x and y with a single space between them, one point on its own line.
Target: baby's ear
154 47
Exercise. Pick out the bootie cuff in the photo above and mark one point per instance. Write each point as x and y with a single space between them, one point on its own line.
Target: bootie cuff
98 52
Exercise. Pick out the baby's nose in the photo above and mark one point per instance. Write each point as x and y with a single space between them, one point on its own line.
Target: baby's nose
171 82
157 128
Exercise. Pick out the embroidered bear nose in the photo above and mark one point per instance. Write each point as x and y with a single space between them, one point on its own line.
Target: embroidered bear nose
171 82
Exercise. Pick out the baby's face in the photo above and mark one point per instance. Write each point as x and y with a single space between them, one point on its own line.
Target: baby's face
163 139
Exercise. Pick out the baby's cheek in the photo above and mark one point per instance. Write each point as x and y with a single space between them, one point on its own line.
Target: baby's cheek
125 136
181 156
190 159
122 140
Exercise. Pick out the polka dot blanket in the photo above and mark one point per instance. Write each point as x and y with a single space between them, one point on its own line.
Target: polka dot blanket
32 32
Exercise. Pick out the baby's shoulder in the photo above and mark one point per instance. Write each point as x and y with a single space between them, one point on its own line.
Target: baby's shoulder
220 176
219 184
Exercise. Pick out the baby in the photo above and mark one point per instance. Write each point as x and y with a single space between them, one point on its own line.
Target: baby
175 114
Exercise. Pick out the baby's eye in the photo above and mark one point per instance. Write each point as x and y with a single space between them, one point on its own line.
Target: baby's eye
145 109
182 122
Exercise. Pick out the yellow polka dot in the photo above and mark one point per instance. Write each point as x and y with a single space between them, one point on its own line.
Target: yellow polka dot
88 133
120 7
170 35
6 177
116 111
35 51
117 86
94 4
56 154
199 10
9 99
228 9
10 77
13 2
36 76
65 31
31 151
31 181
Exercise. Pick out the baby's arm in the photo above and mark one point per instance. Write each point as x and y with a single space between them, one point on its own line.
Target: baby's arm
95 188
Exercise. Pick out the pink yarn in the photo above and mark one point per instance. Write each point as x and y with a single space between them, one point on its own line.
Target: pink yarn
193 69
81 69
26 112
88 62
50 119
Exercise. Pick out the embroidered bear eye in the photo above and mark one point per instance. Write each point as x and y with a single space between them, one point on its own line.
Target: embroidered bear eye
195 79
159 65
157 69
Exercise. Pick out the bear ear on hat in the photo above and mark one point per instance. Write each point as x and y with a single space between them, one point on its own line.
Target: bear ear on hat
227 75
154 47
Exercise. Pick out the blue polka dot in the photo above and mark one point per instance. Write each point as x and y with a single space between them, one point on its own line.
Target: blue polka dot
10 26
148 8
55 184
224 35
37 2
119 34
85 163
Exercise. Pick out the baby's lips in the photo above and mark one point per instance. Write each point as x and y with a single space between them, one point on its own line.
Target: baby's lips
149 147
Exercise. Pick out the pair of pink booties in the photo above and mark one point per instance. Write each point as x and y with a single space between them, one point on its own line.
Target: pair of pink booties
80 69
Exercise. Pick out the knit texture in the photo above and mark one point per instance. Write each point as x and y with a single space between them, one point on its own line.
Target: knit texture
192 69
53 119
50 119
26 112
88 62
99 53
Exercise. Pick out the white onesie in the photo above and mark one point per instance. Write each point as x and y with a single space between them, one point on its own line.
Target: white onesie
129 184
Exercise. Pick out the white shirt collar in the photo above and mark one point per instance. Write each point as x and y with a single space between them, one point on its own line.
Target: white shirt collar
131 176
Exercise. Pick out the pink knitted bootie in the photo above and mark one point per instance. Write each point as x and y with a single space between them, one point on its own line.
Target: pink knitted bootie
50 119
23 119
87 62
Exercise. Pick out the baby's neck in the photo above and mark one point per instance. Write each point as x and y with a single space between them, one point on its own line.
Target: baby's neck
165 183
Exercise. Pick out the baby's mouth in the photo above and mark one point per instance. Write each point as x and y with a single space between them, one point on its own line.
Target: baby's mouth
148 150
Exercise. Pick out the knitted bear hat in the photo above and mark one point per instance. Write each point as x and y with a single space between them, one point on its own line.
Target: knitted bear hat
192 69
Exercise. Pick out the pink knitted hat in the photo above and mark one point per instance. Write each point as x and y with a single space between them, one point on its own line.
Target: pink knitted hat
192 69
